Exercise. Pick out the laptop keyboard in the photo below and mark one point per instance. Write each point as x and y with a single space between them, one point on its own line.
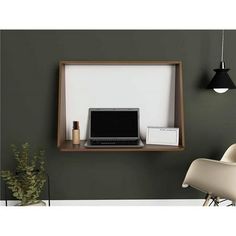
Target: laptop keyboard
114 142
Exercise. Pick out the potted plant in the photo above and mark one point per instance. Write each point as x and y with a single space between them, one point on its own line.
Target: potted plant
27 182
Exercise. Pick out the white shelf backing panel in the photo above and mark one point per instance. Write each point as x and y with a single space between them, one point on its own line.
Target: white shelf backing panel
151 88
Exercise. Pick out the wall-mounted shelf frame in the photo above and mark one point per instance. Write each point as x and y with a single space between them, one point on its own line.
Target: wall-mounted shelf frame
66 145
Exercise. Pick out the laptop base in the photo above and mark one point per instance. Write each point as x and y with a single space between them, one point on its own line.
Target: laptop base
88 144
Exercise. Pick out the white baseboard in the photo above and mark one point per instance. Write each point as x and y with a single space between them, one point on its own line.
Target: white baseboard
154 202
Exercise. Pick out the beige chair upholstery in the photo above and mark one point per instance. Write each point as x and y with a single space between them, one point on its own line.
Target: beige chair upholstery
216 178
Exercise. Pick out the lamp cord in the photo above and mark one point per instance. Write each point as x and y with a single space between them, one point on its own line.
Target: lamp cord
222 45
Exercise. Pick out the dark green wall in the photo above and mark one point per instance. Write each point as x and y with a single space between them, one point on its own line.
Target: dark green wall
1 104
29 108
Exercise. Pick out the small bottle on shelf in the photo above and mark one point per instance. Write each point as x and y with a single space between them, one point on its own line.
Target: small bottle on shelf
76 133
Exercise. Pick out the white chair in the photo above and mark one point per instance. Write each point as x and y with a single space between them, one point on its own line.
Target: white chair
215 178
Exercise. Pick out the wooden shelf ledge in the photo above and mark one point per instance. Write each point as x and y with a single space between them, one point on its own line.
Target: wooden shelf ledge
67 146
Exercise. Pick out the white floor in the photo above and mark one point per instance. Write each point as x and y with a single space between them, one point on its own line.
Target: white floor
154 202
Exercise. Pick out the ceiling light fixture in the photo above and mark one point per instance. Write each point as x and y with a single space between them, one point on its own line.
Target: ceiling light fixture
221 81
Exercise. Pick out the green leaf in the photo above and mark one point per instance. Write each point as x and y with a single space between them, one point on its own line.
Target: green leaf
15 194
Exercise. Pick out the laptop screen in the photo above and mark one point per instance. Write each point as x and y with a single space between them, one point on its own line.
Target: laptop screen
114 123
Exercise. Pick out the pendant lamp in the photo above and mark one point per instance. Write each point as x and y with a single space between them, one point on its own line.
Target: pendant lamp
221 81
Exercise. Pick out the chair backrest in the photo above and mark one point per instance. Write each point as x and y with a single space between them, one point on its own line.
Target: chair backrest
230 154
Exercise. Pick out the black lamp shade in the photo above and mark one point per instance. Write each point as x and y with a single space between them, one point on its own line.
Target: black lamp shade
221 79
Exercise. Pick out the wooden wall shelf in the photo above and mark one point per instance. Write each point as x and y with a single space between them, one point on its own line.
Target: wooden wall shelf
66 145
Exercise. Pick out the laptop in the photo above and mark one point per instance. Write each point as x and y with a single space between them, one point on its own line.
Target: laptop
113 127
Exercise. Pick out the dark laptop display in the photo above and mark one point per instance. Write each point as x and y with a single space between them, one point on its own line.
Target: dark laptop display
117 124
113 127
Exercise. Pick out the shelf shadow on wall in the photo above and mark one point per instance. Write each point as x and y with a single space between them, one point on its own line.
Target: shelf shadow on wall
204 80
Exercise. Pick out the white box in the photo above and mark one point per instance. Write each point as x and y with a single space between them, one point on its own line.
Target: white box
162 136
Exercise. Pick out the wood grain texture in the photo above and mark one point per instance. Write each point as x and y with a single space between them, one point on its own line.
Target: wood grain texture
61 130
179 104
148 62
70 147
